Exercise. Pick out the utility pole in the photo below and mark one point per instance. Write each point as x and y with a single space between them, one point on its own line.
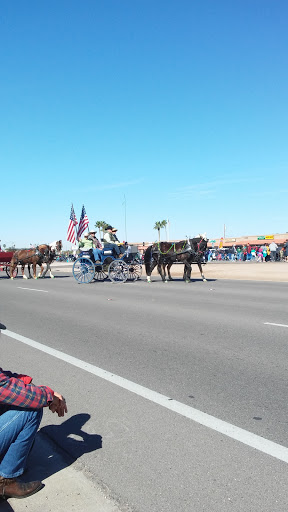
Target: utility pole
125 218
168 229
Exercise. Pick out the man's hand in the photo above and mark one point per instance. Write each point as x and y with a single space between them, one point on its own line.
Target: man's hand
58 405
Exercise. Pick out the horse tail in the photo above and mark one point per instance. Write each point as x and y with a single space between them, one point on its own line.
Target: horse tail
15 259
148 259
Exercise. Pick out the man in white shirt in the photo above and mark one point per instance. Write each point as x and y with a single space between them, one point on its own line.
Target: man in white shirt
273 248
109 239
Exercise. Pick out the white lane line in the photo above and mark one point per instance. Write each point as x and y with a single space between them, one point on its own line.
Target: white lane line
229 430
32 289
277 325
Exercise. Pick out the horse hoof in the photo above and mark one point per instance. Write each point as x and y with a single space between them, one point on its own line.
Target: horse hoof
187 281
24 277
52 277
205 280
11 278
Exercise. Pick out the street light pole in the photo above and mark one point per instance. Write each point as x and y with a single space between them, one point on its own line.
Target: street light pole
125 218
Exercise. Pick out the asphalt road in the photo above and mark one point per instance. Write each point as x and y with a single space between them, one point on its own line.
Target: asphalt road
209 347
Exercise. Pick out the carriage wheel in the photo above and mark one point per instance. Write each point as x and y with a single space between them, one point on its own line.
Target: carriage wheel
15 271
118 271
134 271
83 270
100 273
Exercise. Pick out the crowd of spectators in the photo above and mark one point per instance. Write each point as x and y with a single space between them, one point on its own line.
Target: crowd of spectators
259 253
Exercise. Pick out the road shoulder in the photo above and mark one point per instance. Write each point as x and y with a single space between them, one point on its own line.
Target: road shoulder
66 485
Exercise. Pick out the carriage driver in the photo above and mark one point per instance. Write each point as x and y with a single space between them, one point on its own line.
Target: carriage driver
109 238
90 242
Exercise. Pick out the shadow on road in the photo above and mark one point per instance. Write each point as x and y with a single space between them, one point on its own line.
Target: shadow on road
71 438
57 447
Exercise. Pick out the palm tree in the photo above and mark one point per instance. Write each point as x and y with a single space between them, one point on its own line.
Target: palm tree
158 226
164 225
101 225
98 225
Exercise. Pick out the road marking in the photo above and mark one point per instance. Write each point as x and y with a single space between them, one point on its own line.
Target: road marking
243 436
32 289
277 325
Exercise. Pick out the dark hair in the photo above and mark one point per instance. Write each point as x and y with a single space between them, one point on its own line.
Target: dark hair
108 227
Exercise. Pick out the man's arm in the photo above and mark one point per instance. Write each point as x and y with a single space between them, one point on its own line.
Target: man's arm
14 391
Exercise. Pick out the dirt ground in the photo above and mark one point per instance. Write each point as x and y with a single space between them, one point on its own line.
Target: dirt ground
245 270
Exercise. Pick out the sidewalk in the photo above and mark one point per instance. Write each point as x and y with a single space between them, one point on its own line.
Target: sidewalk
67 489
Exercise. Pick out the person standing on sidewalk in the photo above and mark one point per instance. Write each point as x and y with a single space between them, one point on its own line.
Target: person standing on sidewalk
273 248
249 249
21 410
286 251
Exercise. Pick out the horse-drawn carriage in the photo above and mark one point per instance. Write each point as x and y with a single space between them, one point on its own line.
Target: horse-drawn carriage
128 266
5 262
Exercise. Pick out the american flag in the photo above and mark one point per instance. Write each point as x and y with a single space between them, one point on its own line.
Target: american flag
71 228
83 223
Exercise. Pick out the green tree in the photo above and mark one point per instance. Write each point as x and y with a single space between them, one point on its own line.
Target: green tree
101 225
164 225
98 225
158 226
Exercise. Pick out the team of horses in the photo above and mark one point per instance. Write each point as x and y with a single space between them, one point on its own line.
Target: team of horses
41 254
164 254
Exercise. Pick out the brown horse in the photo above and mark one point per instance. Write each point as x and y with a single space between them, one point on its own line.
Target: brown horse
54 249
42 254
165 254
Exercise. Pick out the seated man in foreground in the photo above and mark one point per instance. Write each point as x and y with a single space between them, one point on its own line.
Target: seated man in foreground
21 410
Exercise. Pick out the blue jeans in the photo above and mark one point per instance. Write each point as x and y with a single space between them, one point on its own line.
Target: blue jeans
97 254
18 428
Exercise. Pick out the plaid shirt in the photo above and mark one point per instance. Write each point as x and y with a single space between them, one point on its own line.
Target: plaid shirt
17 390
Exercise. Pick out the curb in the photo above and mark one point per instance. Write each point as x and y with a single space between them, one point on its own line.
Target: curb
66 487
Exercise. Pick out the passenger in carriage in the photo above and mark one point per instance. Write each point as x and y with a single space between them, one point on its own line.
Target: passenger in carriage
111 239
92 236
114 231
122 246
88 244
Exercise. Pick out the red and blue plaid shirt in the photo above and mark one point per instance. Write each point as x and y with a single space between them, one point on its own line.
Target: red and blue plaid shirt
17 390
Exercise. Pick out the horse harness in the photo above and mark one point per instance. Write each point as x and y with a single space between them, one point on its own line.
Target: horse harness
186 245
36 252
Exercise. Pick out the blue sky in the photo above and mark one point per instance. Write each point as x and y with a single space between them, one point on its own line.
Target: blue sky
180 107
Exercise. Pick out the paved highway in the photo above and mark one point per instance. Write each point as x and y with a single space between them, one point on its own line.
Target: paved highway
138 365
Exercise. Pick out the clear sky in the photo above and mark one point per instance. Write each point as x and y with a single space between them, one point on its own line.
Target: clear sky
156 109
